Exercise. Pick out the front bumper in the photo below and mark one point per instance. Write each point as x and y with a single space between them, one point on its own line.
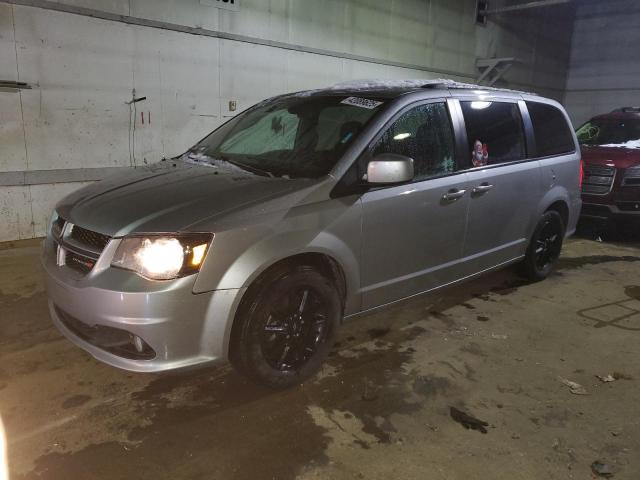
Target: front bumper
181 328
605 211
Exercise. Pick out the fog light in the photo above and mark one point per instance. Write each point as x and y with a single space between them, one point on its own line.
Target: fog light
138 343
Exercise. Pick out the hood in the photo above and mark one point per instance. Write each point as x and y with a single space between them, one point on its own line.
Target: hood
613 156
168 197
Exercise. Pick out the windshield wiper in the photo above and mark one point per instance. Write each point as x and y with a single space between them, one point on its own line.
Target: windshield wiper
248 168
204 158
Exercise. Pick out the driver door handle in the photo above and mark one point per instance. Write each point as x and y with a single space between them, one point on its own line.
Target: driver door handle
482 188
453 194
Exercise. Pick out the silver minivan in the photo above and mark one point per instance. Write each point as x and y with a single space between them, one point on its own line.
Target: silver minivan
305 210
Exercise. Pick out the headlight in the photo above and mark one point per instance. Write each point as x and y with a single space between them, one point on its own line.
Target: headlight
163 257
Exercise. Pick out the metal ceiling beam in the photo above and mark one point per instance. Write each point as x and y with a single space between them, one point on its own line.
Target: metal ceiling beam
524 6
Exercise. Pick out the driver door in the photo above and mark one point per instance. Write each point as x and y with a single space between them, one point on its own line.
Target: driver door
413 234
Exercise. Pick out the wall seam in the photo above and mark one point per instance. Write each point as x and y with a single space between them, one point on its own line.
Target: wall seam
24 131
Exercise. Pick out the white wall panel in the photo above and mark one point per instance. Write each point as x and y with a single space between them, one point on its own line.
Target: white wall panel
305 71
15 213
12 145
411 34
190 12
84 69
76 116
259 18
189 78
250 73
318 24
368 27
120 7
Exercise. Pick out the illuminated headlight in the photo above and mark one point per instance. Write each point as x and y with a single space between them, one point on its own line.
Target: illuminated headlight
163 257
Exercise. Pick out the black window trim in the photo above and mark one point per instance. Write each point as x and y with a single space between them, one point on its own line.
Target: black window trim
396 116
362 188
527 130
535 155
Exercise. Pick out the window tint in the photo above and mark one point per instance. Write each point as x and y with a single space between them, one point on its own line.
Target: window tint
423 133
552 134
494 131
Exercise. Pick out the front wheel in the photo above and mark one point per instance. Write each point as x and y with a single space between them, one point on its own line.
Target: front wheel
286 327
545 246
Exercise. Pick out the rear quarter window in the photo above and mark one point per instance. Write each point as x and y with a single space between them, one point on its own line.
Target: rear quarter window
551 130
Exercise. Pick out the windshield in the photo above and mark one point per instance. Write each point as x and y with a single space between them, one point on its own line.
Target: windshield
623 133
291 137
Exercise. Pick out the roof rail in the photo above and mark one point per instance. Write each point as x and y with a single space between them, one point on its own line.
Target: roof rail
446 83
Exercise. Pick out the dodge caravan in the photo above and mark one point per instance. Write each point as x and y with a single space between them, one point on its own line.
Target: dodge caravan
304 210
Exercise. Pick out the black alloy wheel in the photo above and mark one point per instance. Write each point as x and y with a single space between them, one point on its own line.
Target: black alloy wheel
545 246
285 327
296 325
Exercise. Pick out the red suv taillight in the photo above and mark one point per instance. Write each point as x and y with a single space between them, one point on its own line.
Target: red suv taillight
581 173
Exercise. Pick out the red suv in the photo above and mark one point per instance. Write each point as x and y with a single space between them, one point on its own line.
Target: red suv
610 146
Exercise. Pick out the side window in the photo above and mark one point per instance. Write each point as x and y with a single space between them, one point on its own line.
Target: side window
552 133
494 131
423 133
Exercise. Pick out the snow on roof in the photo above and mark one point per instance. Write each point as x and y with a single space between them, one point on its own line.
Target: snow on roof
376 84
629 144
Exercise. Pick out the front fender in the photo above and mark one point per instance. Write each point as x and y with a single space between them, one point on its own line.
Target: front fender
238 256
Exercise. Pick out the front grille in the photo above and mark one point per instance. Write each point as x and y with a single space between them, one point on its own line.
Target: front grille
94 240
79 263
631 177
596 189
598 179
631 182
79 247
599 170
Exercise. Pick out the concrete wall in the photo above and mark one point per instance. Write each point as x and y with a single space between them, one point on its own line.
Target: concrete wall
84 70
604 72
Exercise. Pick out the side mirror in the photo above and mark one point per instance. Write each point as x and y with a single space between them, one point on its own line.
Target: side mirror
389 168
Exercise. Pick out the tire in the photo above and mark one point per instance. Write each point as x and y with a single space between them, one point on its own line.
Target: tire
281 334
545 246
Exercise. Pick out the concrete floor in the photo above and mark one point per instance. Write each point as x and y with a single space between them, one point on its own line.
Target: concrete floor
494 347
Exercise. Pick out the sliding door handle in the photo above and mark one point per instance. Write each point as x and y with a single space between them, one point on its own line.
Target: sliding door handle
453 194
482 188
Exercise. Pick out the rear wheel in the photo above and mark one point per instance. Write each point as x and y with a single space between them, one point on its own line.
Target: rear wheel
545 246
287 326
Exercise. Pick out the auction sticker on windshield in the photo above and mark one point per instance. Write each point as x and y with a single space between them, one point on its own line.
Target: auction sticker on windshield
361 102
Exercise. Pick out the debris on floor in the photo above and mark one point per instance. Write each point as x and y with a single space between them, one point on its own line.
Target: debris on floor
370 392
574 387
602 469
467 421
612 377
